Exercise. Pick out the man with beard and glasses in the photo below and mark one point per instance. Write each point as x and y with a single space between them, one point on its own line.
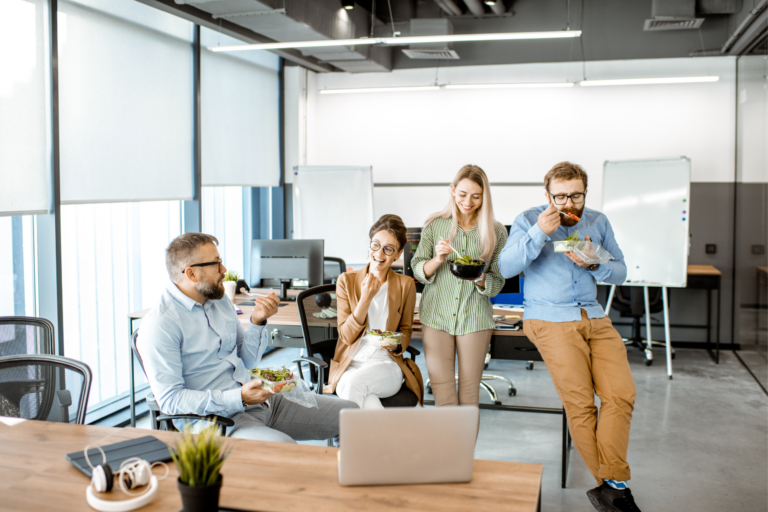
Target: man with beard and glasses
583 352
197 355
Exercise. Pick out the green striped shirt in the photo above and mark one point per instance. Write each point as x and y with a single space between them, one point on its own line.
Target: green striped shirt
450 304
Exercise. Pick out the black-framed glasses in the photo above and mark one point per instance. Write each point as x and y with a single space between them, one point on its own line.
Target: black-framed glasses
217 262
561 199
388 249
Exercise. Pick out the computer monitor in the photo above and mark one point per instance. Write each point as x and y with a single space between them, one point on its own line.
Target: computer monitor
413 237
287 264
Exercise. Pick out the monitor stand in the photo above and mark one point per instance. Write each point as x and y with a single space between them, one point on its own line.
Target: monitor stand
285 285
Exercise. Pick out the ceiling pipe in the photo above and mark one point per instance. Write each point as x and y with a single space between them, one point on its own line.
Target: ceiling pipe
475 7
744 26
449 7
498 7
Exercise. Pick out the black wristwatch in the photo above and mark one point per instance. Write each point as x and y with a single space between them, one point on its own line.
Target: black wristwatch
593 267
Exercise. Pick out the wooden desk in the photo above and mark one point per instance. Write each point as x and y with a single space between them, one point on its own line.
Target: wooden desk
707 277
34 475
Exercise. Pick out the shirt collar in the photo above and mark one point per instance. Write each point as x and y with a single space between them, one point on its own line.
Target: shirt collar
177 294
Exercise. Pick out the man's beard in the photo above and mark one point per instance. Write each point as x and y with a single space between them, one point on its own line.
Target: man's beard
568 221
211 291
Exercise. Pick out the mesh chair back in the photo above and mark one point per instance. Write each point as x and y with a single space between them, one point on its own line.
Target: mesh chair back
317 312
25 335
44 387
332 269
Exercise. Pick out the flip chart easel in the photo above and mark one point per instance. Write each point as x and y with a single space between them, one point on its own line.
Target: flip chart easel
648 205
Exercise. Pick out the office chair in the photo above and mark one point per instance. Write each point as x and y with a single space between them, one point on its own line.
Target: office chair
320 337
629 302
25 335
44 387
162 421
331 277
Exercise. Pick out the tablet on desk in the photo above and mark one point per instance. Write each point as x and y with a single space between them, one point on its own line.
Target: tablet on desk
148 448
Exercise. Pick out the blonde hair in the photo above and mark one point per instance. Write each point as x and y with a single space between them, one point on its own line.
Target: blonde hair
486 220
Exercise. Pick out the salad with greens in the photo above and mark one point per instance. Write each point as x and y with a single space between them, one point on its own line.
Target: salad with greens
386 337
466 260
277 380
567 244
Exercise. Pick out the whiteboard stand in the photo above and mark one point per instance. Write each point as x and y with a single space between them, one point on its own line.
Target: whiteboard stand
649 347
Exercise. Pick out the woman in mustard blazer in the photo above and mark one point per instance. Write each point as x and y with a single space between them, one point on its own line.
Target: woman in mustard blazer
374 297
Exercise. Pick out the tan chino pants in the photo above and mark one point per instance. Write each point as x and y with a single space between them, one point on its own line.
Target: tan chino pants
440 350
586 358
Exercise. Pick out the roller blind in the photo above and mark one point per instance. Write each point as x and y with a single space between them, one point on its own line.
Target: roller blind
125 89
240 123
24 152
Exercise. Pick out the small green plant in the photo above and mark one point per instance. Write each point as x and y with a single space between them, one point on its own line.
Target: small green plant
199 457
467 260
573 237
231 276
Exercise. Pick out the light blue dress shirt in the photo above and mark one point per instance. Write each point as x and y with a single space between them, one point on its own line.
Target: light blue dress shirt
197 357
556 289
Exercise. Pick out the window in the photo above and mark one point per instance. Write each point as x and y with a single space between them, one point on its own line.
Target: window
113 263
17 267
223 218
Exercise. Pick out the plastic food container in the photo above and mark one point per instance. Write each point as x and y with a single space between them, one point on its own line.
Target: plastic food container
385 339
564 245
279 386
592 253
466 272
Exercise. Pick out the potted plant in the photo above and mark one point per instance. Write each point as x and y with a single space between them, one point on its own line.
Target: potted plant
198 460
230 284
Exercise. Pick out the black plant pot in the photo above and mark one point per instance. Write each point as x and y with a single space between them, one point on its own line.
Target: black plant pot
200 499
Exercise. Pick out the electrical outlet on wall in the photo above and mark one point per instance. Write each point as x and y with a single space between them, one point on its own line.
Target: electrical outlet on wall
711 249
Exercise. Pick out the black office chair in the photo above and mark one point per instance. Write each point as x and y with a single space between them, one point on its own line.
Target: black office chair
25 335
321 335
162 421
630 303
330 277
44 387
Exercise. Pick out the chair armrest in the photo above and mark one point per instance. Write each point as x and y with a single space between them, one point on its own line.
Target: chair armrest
413 351
222 421
321 366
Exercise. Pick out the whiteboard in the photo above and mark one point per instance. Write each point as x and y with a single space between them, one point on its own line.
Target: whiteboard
334 203
648 204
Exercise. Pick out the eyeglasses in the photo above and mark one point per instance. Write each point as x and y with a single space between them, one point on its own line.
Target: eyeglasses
388 249
217 262
561 199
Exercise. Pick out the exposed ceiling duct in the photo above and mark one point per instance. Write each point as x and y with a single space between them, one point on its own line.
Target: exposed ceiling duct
431 27
682 14
302 20
475 7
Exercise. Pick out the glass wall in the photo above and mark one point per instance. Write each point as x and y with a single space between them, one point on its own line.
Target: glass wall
223 218
751 234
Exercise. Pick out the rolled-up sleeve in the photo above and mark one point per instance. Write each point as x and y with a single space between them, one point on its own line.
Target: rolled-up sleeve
615 271
160 345
251 343
424 253
349 328
494 281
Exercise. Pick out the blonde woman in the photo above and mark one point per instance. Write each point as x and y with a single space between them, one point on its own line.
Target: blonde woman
457 315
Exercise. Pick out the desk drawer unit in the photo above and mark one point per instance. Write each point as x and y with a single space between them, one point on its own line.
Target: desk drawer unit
286 336
516 348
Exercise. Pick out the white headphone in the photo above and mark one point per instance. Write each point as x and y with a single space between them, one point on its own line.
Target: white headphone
134 472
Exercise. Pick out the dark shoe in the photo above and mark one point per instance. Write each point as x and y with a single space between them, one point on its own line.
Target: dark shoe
607 499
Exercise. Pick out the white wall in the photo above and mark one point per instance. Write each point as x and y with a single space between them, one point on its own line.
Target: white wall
516 135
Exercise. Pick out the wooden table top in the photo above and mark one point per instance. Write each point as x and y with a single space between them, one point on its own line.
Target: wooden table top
34 475
289 315
703 270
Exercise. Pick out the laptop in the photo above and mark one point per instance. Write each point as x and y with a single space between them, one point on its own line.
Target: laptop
407 445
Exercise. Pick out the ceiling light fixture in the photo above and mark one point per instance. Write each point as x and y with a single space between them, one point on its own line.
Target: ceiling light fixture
394 41
650 81
381 89
490 2
348 4
552 85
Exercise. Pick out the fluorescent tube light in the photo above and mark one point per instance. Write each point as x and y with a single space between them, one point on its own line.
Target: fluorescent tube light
381 89
510 86
650 81
449 38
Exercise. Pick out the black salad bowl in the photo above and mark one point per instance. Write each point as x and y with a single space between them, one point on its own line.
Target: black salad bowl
466 272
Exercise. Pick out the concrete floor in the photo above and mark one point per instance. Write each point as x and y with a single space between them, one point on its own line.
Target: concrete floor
698 442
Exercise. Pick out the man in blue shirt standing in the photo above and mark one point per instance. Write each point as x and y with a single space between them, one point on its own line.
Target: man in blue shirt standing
197 355
583 352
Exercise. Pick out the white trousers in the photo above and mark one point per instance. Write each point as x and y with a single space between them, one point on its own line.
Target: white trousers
364 383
